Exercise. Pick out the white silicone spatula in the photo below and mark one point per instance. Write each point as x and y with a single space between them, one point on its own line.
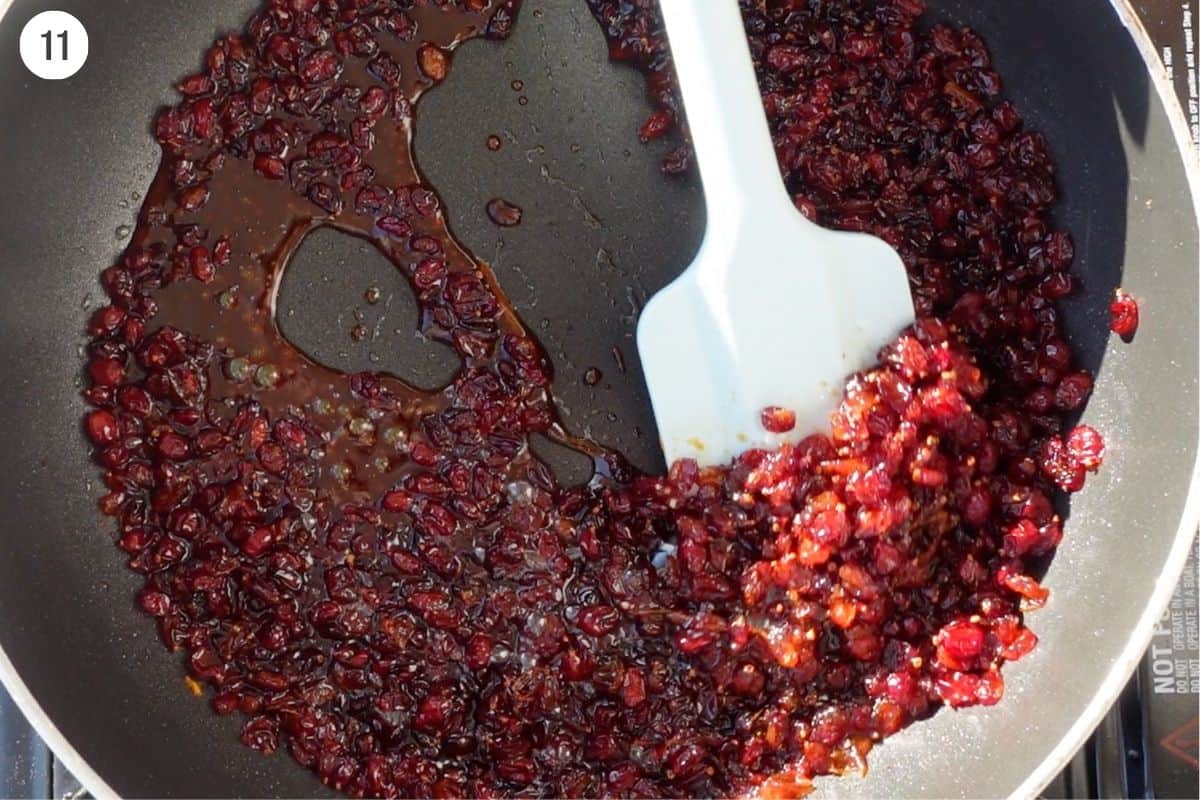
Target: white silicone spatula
774 310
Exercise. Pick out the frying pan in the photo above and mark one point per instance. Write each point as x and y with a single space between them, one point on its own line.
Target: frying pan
603 230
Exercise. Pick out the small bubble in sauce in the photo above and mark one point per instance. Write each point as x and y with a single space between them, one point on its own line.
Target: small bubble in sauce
266 376
592 376
360 426
358 333
433 61
371 295
504 213
494 143
517 85
228 299
523 100
239 369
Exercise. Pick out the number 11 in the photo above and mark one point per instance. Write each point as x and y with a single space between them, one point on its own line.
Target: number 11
48 36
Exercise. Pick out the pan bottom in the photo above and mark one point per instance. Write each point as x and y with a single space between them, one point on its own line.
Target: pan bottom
618 690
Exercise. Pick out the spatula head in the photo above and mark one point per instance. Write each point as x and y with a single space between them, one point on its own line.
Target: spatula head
758 321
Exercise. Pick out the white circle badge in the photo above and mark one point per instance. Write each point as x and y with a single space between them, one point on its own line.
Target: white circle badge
54 45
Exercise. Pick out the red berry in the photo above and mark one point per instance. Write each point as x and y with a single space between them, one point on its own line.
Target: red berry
107 371
201 263
1060 466
656 126
270 167
102 427
173 447
1086 446
1124 315
193 198
778 420
598 620
154 603
106 320
1073 391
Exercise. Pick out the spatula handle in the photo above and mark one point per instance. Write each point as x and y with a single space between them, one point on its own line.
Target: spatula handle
724 109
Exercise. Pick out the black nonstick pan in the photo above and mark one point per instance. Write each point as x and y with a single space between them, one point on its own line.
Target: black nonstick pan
602 230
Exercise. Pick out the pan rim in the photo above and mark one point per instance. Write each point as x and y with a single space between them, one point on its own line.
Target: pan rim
1059 755
1139 640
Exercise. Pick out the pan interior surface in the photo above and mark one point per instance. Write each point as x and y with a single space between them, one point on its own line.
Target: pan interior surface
603 230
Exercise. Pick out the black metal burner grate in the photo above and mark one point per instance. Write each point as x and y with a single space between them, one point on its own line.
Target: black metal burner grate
1146 747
